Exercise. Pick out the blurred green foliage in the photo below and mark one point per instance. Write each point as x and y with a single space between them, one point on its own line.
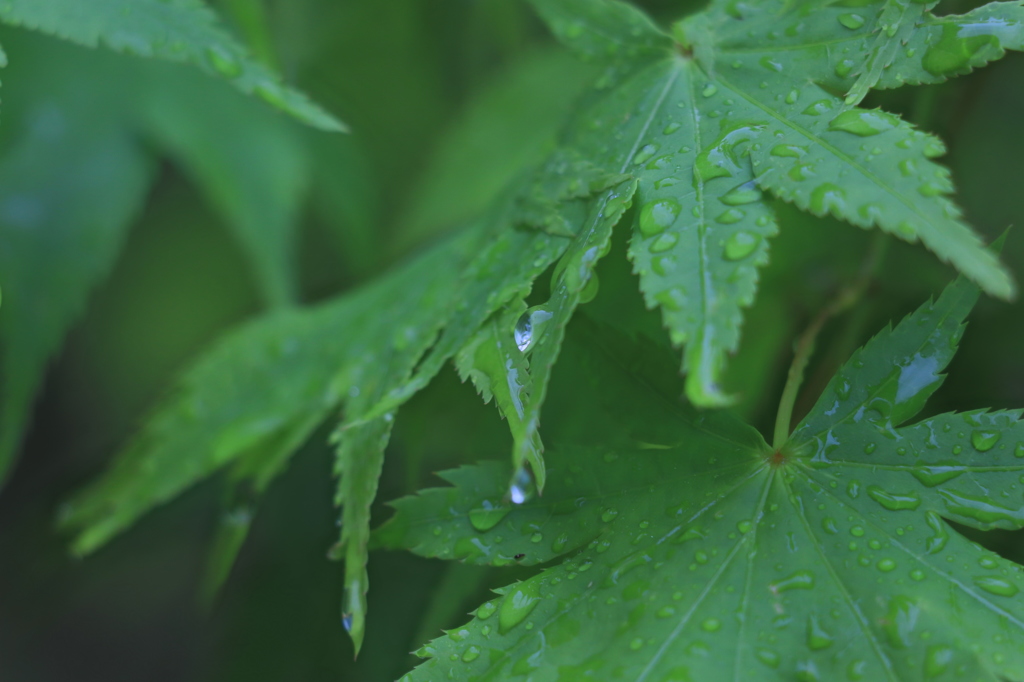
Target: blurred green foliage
448 101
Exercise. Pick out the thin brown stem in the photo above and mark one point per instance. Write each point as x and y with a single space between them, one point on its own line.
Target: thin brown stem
843 300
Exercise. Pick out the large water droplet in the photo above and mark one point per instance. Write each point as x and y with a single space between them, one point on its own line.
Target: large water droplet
589 291
663 265
792 151
937 659
984 440
664 243
747 193
938 472
937 542
845 67
894 501
820 107
863 123
817 637
730 216
519 603
529 327
801 171
996 586
658 216
645 153
851 21
522 487
800 580
982 510
487 516
901 620
672 299
486 610
741 244
827 197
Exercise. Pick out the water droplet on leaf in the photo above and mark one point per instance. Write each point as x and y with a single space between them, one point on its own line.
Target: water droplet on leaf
741 244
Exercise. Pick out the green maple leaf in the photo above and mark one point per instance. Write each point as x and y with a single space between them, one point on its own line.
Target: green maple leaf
684 548
356 353
184 31
743 99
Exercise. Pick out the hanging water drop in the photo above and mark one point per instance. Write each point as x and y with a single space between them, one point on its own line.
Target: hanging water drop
522 487
529 327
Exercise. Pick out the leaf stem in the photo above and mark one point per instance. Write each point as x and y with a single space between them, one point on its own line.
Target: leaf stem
844 299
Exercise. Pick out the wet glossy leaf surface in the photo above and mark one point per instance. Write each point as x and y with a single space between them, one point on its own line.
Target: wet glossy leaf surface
686 549
745 100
